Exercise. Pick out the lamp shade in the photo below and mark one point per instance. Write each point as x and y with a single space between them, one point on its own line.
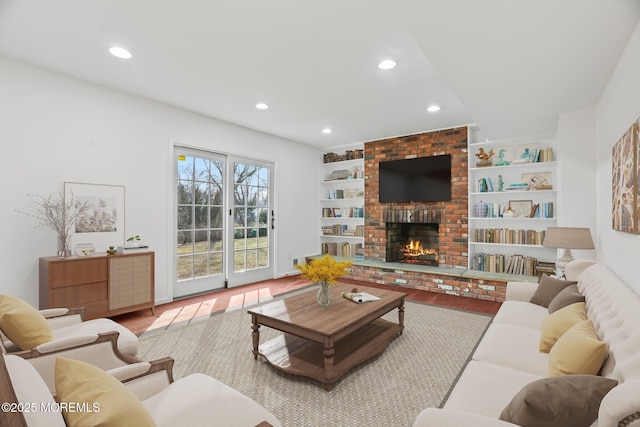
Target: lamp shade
568 238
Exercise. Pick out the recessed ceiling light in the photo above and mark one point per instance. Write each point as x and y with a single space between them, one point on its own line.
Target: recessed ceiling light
120 52
433 108
262 106
327 131
387 64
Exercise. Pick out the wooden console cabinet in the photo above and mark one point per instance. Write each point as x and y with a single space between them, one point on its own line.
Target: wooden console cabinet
106 285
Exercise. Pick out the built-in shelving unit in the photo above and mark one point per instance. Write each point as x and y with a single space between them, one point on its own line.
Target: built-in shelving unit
512 242
342 204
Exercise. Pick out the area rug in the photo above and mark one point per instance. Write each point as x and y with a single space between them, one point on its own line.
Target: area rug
416 370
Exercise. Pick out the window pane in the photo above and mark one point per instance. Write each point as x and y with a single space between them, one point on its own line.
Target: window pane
215 263
238 261
239 238
263 197
215 192
263 217
240 195
202 217
201 193
201 265
252 259
252 196
184 268
251 217
185 218
201 169
263 257
185 168
216 217
184 242
185 192
239 216
263 177
215 240
264 237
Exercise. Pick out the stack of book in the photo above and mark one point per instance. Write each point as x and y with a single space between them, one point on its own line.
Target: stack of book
519 186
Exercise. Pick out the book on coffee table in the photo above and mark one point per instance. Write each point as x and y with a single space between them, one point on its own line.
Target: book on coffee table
359 297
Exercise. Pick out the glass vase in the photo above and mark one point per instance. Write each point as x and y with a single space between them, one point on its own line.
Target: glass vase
64 246
324 294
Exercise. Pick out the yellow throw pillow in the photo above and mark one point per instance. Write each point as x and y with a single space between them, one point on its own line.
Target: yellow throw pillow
95 398
578 351
23 324
559 322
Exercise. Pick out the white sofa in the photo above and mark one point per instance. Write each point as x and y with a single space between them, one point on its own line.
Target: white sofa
508 356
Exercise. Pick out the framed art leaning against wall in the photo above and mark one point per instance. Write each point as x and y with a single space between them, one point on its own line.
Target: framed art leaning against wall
103 223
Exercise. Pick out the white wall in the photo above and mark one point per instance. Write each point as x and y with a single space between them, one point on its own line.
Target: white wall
618 108
56 129
576 154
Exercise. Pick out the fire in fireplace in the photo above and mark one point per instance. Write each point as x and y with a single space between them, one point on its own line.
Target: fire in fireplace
412 243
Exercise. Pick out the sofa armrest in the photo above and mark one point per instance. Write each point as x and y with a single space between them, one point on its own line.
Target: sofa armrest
520 291
620 404
61 317
101 351
435 417
147 383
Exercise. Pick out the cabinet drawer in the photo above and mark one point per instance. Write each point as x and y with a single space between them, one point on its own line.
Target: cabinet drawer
78 295
73 272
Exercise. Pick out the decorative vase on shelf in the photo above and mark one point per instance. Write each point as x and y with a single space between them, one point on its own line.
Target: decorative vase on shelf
481 209
324 294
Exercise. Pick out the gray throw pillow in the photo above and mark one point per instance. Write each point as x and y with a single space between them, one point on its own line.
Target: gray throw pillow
564 401
567 296
547 290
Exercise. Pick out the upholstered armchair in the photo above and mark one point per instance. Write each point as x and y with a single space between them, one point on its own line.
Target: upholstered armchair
139 394
44 335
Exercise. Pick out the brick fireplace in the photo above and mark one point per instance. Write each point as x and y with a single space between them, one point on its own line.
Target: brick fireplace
450 217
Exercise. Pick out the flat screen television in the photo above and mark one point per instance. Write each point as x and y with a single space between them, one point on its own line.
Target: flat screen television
423 179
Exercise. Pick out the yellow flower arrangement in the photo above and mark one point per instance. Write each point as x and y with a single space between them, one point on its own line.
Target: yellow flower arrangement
325 269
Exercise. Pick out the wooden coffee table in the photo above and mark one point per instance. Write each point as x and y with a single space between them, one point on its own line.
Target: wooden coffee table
324 343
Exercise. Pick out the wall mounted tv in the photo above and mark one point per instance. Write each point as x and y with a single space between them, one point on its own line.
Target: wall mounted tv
423 179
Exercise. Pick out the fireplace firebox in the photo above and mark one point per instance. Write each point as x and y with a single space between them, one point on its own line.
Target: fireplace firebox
412 243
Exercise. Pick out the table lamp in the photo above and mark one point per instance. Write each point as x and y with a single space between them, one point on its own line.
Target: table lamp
567 238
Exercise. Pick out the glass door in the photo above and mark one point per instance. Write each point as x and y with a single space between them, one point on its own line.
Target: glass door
251 222
200 231
224 218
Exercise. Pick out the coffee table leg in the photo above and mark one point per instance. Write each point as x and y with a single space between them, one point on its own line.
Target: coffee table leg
328 352
255 335
401 316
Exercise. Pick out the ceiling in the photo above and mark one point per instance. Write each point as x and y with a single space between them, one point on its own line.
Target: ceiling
507 66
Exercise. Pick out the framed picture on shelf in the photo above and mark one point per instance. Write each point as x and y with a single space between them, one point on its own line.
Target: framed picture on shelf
351 193
521 208
337 213
346 213
526 153
103 223
503 155
538 180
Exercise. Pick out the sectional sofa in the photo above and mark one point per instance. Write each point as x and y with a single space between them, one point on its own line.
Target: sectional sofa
590 375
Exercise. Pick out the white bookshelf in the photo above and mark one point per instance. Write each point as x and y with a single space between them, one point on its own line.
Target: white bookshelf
499 198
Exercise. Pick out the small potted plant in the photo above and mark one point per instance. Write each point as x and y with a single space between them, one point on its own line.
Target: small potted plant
133 241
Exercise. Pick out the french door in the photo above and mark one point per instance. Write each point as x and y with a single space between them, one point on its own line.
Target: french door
224 212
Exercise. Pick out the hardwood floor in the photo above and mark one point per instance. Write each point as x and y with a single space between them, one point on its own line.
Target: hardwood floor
185 310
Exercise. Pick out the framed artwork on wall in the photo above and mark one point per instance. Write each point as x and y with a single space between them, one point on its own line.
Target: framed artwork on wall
103 223
625 202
